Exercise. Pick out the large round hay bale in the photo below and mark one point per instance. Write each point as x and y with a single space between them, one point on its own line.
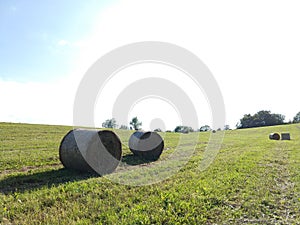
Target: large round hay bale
147 145
91 151
274 136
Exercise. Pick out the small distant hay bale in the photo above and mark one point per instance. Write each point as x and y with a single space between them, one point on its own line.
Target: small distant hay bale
285 136
91 151
147 145
274 136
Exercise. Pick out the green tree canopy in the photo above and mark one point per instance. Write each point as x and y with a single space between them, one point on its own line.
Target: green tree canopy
135 123
260 119
183 129
110 123
297 118
204 128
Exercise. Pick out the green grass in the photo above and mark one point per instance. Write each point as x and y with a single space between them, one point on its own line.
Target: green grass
253 180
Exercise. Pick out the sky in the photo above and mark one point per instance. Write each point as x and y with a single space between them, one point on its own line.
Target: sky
252 49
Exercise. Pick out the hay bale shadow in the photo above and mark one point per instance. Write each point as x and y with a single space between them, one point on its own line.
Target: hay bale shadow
135 160
25 182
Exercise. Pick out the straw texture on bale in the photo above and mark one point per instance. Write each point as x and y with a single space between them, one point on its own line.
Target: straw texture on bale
285 136
274 136
91 151
147 145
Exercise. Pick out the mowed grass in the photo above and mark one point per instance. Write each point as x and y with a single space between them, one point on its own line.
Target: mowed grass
253 180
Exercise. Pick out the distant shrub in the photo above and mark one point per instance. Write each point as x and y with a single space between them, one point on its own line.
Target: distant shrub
204 128
124 127
183 129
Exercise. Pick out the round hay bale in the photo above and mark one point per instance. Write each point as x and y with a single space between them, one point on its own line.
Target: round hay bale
274 136
91 151
147 145
285 136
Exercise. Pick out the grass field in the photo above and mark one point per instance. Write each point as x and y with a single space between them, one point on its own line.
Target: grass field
253 180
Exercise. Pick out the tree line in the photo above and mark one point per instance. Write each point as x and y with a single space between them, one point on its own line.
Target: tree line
264 118
112 123
259 119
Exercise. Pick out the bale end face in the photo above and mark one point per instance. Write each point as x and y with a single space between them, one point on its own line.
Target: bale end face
90 151
147 145
274 136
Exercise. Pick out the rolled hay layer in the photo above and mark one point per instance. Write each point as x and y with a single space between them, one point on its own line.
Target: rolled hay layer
285 136
274 136
147 145
91 151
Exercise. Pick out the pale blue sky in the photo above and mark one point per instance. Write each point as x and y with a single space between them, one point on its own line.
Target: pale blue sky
33 34
252 49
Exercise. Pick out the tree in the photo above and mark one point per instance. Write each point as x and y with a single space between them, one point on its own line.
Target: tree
135 123
158 130
110 123
178 129
183 129
204 128
226 127
297 118
123 127
260 119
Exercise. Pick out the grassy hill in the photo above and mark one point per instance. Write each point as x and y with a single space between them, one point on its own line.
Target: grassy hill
253 180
